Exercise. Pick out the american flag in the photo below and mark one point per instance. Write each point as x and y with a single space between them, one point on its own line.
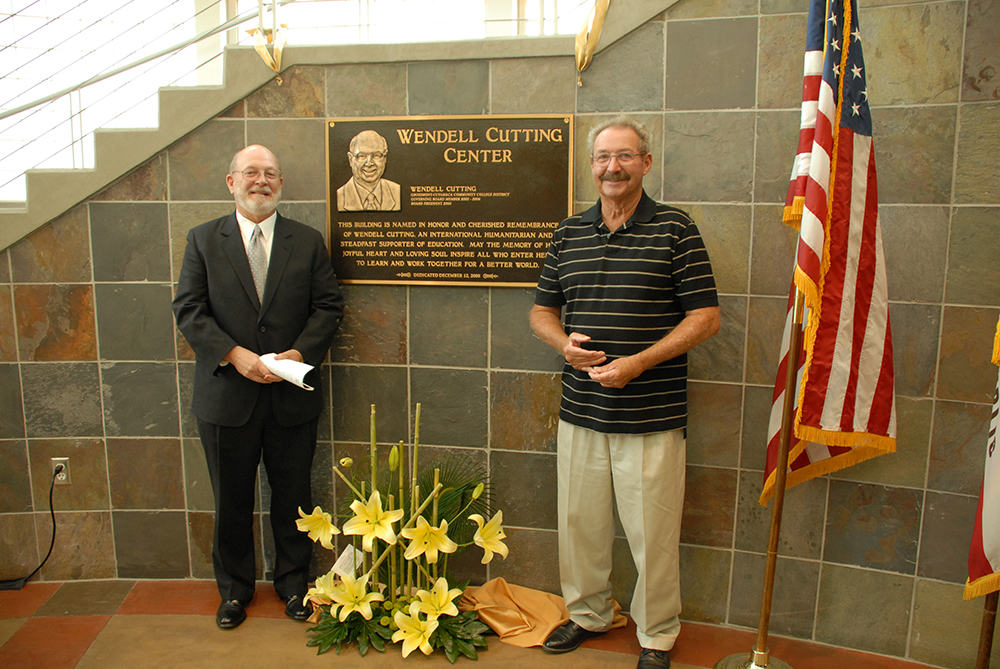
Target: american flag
984 552
845 400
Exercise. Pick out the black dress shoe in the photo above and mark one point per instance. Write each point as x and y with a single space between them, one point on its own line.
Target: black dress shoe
653 659
296 609
567 637
230 614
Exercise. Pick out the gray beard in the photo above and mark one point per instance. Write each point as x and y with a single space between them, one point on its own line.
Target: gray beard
259 208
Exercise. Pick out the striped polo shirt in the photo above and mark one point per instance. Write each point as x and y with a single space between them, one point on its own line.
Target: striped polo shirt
626 290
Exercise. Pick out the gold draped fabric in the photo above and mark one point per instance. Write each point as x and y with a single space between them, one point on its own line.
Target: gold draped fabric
260 42
589 35
520 616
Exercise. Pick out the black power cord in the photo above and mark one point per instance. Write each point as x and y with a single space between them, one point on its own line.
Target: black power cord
18 583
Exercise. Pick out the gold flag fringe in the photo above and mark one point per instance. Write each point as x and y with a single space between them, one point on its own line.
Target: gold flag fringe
996 346
793 213
981 586
870 446
880 442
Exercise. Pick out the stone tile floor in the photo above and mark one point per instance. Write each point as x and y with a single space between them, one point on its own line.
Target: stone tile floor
118 624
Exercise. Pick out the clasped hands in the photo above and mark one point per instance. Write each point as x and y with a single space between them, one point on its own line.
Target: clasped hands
252 367
615 374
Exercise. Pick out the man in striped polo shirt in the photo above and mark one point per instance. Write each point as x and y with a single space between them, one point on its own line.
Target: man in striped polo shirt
632 282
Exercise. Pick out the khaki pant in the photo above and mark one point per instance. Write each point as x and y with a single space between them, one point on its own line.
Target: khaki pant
645 473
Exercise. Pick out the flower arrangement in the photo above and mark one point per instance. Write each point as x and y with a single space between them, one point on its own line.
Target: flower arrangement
400 591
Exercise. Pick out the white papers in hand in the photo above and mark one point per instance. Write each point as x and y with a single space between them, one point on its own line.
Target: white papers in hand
290 370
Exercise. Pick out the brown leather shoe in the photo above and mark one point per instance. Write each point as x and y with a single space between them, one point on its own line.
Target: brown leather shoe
653 659
230 614
567 637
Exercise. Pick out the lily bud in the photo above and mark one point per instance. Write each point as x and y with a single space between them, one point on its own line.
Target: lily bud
478 492
394 459
347 463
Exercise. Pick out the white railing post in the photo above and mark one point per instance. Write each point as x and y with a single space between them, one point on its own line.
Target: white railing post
208 16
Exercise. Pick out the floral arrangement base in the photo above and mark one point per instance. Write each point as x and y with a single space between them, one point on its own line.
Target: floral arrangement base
455 635
400 592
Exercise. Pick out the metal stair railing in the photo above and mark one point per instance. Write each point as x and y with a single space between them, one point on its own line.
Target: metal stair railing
47 145
73 113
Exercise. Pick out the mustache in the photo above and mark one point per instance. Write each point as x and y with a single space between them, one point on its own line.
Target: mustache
616 176
265 190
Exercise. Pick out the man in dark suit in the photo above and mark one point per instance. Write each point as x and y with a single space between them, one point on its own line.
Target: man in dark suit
255 282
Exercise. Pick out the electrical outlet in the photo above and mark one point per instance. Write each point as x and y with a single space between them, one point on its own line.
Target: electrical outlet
62 478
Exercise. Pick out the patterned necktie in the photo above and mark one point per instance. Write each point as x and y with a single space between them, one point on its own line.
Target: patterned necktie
258 261
370 204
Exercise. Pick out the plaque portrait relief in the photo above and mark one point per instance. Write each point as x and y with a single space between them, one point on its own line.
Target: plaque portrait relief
366 190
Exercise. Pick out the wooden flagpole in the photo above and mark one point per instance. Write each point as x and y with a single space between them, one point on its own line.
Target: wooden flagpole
986 633
759 656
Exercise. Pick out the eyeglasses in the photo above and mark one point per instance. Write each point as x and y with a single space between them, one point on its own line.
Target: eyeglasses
623 158
251 174
375 156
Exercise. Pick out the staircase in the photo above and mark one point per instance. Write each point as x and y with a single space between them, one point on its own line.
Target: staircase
51 192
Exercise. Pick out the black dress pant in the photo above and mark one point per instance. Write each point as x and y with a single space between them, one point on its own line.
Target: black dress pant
233 454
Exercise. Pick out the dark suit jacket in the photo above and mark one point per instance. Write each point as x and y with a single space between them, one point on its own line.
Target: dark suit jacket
217 308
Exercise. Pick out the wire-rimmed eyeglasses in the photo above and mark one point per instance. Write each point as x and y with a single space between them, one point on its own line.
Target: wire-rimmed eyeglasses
251 174
623 158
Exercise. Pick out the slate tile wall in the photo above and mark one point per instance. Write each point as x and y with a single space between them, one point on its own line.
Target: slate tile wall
872 557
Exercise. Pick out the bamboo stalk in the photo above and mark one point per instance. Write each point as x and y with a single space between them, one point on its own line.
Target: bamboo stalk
414 492
364 555
408 525
416 440
402 480
409 578
373 455
350 485
392 558
373 451
413 519
434 511
434 506
401 502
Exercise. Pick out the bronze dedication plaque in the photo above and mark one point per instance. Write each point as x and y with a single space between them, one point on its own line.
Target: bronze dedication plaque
469 200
